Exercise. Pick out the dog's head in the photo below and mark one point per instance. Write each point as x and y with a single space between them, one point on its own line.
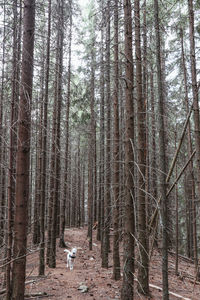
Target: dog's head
73 251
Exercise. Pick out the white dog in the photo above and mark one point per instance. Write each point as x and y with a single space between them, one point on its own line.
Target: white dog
71 255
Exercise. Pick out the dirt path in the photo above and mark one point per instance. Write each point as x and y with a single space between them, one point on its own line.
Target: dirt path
61 283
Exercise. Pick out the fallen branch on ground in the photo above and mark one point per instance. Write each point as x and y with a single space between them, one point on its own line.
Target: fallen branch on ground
170 293
27 282
187 259
39 294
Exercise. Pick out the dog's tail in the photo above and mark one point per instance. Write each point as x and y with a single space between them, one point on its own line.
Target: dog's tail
66 251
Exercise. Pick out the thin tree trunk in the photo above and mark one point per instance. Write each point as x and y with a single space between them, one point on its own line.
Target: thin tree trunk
191 199
91 151
129 221
2 204
44 150
116 259
23 153
154 164
65 192
83 195
12 153
196 118
143 271
162 156
58 99
106 239
177 219
102 142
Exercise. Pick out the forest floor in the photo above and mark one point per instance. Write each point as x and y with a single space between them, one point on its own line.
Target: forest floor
61 283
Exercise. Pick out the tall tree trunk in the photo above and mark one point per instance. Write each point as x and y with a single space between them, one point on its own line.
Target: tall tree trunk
129 221
191 199
116 259
12 151
154 191
177 217
106 240
143 272
102 142
162 156
91 151
23 153
196 114
65 187
58 99
44 150
2 204
83 194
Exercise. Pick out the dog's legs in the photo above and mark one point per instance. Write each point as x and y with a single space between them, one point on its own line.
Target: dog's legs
70 265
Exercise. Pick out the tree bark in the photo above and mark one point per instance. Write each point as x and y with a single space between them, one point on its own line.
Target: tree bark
116 259
129 221
143 271
91 150
65 187
162 156
196 114
44 150
57 112
23 153
102 142
107 195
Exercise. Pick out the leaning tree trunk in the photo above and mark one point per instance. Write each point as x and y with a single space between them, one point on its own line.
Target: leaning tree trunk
23 153
162 156
128 237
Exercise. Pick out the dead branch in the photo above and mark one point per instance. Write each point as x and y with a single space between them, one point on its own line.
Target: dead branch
171 188
181 173
39 294
187 259
179 146
170 293
27 282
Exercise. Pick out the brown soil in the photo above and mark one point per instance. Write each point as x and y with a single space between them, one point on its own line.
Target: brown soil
61 283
